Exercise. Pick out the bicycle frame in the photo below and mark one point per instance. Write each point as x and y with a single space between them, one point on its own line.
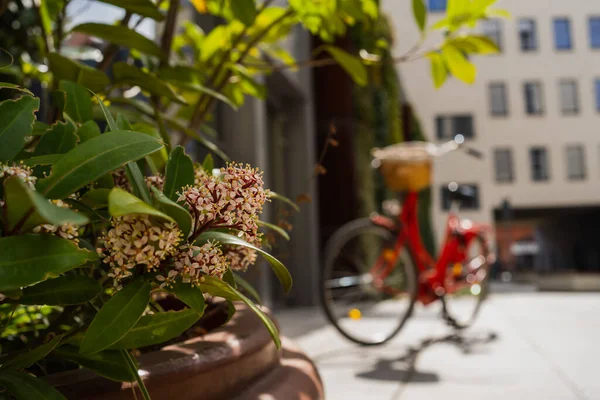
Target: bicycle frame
432 275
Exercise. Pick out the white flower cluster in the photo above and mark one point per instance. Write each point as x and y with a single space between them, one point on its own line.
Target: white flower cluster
192 262
66 231
21 171
138 240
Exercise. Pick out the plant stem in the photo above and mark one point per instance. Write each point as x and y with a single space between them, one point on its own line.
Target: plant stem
111 50
134 371
37 4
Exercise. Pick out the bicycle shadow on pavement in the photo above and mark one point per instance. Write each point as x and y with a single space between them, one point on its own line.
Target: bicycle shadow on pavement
403 369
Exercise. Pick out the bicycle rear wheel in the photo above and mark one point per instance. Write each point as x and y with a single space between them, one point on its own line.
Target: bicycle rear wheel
467 286
367 293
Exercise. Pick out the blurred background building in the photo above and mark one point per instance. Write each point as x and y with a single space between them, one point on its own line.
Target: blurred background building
534 111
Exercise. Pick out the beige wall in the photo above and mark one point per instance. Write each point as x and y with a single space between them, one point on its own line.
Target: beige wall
517 130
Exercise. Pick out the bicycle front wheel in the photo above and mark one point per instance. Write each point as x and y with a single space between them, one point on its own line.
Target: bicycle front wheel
367 291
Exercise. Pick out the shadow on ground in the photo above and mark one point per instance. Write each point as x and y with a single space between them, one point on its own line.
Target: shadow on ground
403 369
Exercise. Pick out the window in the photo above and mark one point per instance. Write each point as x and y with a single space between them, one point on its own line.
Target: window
533 98
437 5
597 85
562 34
568 97
539 164
449 126
471 203
498 104
503 165
527 35
575 162
492 28
595 32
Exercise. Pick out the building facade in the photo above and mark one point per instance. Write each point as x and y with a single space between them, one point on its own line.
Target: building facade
533 111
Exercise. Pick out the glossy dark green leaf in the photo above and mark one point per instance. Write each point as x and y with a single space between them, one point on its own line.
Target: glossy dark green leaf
27 358
112 124
145 8
96 157
79 104
108 363
49 159
123 124
181 216
64 68
27 208
351 64
157 328
179 173
26 387
96 198
136 180
39 128
19 266
129 75
64 290
419 13
244 11
6 85
208 164
211 282
160 157
59 100
59 139
122 36
121 202
224 238
17 118
229 278
88 130
117 317
190 295
284 199
275 228
247 287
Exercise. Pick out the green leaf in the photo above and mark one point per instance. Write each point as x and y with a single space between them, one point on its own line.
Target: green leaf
198 137
280 270
277 196
48 159
59 100
27 208
19 266
458 65
157 328
248 84
26 387
59 139
79 105
39 128
228 277
475 44
65 290
419 14
145 8
96 157
88 130
112 124
6 85
123 124
211 282
17 118
351 64
136 179
160 157
244 11
275 228
179 173
108 363
208 164
117 316
28 358
498 13
121 35
174 210
64 68
96 198
186 78
133 76
439 72
190 295
245 285
121 202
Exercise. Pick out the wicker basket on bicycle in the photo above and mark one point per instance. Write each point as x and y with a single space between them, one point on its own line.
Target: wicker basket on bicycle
406 166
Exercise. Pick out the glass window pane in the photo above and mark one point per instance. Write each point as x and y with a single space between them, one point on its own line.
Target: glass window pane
498 99
503 164
492 28
568 97
527 35
595 32
533 98
575 162
463 124
597 84
539 164
437 5
562 34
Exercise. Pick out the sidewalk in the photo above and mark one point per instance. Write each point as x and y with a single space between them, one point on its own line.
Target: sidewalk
525 346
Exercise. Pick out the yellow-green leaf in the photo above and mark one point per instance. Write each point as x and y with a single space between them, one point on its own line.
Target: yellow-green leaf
419 13
457 63
439 72
351 64
121 202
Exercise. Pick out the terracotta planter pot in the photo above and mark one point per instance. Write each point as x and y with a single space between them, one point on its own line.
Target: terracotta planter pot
236 361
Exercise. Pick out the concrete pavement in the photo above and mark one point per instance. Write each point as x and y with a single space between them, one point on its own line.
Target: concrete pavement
525 345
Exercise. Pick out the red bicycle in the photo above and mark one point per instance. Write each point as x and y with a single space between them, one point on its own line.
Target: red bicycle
377 268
